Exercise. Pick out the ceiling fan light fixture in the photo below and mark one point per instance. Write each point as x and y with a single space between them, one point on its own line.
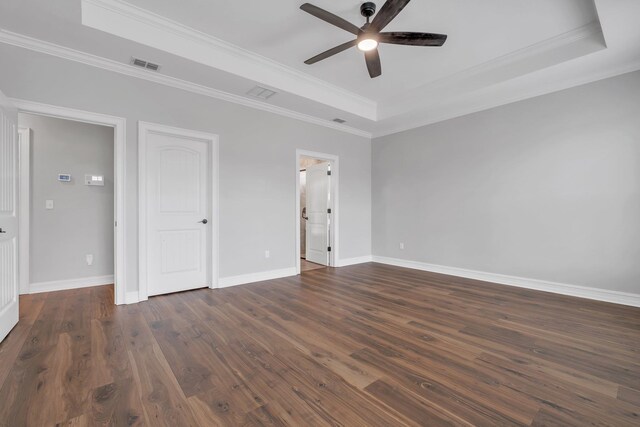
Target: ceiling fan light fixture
370 34
367 44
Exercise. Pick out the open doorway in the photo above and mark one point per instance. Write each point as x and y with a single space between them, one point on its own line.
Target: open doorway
316 210
67 204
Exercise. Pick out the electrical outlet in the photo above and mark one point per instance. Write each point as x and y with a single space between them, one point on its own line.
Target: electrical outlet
401 246
89 258
267 254
48 204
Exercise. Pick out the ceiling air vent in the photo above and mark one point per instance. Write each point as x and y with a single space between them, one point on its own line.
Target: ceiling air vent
145 64
339 120
261 92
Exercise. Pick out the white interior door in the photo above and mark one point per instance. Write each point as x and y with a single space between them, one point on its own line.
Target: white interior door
8 216
318 204
178 213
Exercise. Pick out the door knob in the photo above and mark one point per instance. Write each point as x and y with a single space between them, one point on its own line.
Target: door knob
204 221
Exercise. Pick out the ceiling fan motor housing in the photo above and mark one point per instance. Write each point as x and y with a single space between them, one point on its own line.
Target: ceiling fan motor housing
367 9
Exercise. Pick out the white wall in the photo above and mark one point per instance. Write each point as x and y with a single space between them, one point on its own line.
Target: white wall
81 221
547 188
257 157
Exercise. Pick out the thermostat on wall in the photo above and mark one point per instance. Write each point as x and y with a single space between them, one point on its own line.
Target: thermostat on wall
94 180
64 177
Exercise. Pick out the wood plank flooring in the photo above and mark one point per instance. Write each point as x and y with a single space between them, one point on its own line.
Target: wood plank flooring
308 265
366 345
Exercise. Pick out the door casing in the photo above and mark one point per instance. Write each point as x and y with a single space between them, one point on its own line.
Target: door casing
334 227
119 138
144 129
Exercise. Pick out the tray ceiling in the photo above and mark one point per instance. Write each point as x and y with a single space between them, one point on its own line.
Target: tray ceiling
498 51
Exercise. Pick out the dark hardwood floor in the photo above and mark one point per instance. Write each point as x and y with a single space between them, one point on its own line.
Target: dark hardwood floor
367 345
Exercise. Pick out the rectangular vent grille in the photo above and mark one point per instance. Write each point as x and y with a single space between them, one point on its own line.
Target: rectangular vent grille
261 92
339 120
145 64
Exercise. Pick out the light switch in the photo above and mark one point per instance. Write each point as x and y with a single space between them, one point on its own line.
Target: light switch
48 204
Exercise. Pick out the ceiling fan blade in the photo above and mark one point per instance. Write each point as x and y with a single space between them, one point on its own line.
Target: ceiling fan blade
372 57
387 12
412 39
330 52
330 18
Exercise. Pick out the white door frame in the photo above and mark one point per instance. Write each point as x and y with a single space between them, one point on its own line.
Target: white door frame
24 156
119 138
334 224
144 128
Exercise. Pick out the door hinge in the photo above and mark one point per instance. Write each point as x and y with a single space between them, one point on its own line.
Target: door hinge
328 172
329 249
115 223
329 210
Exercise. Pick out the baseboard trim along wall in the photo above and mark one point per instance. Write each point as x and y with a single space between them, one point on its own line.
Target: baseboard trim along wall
60 285
352 261
225 282
623 298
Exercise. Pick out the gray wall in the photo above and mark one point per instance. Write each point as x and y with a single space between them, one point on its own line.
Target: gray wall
547 188
82 219
257 157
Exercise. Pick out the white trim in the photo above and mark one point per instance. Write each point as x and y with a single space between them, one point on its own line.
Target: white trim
24 150
334 228
598 294
497 70
119 125
41 46
353 261
538 90
144 128
125 20
242 279
428 115
61 285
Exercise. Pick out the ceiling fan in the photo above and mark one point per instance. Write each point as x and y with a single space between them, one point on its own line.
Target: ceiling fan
368 36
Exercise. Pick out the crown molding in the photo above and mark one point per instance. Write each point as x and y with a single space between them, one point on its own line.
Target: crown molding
142 26
561 48
471 90
497 102
30 43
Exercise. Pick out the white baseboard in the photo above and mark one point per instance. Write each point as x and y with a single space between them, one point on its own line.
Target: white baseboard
352 261
225 282
616 297
60 285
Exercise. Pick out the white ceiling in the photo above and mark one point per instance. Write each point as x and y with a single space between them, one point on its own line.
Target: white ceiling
478 32
498 51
